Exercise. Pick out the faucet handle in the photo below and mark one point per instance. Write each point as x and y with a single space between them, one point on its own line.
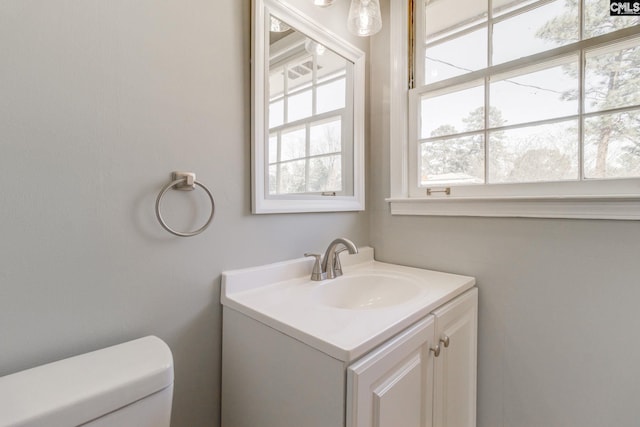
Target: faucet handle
316 274
337 267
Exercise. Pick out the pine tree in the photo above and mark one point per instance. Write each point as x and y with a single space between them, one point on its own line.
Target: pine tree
611 81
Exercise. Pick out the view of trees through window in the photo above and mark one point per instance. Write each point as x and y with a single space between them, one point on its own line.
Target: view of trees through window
569 112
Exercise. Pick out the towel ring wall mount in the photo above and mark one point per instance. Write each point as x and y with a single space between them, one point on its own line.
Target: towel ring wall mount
184 181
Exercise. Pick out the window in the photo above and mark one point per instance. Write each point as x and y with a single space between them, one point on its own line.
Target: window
523 99
307 109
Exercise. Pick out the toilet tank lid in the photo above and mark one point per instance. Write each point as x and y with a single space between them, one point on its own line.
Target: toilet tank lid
76 390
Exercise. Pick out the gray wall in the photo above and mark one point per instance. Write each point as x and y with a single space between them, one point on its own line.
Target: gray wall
558 318
99 102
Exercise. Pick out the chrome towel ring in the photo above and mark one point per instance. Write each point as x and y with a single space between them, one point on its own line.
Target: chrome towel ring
185 181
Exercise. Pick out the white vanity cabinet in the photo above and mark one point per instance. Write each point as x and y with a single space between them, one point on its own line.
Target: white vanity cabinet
456 366
270 379
393 386
424 377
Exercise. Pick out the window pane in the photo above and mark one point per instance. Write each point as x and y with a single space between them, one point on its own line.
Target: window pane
292 177
326 137
612 76
456 56
612 145
276 82
552 25
273 179
273 148
331 96
452 113
293 144
325 174
545 94
276 114
452 161
598 21
533 154
443 15
299 106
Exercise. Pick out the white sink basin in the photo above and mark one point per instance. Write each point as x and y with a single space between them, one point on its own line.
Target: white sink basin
366 291
343 317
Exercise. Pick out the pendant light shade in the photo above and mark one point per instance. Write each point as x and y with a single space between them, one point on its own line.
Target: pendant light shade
314 47
277 26
322 3
364 17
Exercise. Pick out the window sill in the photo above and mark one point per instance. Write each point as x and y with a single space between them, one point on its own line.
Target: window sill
619 207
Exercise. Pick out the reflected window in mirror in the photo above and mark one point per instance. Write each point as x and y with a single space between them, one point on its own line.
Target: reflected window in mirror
309 147
308 115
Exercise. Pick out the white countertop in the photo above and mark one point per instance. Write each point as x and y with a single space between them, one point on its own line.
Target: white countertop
282 296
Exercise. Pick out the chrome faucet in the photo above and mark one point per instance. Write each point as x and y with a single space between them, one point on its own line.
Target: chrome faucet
330 267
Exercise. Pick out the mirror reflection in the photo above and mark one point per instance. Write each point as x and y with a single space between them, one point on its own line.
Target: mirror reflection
309 116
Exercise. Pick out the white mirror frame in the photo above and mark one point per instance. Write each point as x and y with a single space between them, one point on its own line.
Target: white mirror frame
261 204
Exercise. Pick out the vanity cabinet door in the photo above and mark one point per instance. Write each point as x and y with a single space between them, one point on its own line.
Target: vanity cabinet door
456 366
393 385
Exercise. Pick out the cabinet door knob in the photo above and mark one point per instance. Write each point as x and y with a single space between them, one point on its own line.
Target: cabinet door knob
445 340
436 351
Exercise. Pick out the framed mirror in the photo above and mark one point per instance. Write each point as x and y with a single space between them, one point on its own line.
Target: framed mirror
307 115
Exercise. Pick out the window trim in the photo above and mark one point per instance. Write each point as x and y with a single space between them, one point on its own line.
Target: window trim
625 205
571 207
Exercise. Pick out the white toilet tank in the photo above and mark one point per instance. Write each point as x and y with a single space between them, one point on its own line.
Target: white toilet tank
127 385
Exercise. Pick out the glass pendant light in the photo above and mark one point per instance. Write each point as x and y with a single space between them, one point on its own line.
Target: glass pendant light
314 47
277 26
364 17
322 3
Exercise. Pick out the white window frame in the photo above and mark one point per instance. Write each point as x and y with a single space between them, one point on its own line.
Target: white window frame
600 199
